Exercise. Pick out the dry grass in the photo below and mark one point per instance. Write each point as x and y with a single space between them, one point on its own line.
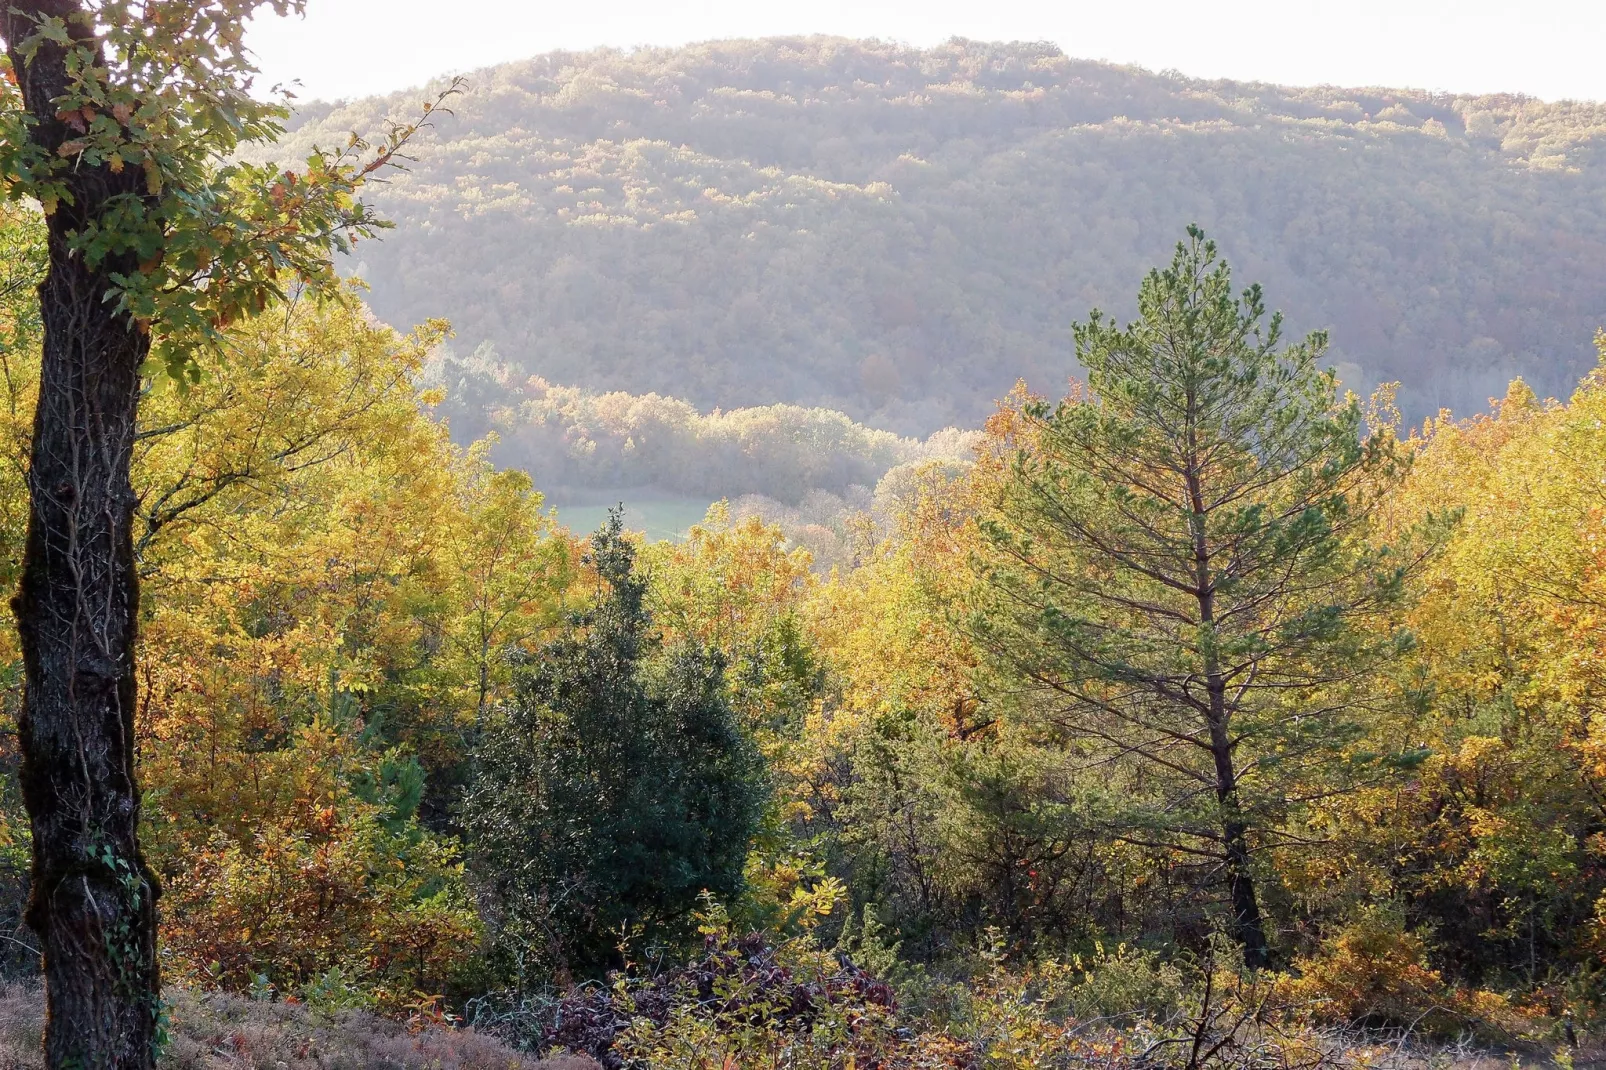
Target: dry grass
214 1032
223 1032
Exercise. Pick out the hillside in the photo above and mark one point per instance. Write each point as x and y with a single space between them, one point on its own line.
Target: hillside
901 233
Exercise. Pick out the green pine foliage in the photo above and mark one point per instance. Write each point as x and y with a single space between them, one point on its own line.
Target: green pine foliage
1178 576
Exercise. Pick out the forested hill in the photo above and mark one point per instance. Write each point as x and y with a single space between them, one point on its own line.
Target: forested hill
900 233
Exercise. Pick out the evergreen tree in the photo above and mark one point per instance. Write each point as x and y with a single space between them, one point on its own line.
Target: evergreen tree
1177 576
615 789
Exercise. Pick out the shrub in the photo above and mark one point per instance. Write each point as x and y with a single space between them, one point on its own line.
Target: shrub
1374 972
1126 985
747 1002
613 791
743 999
332 902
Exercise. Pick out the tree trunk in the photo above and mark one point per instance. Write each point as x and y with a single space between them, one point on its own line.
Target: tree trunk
1247 927
93 900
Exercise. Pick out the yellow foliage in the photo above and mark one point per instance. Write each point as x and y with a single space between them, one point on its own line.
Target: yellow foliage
328 586
1374 971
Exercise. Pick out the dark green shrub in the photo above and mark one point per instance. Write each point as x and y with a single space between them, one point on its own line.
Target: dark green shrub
614 790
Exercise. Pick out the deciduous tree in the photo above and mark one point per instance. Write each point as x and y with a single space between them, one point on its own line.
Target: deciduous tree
118 117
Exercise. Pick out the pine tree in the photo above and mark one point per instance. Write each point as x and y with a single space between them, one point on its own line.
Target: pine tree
1176 572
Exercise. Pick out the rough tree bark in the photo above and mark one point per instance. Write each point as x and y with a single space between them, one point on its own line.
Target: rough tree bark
1248 928
93 902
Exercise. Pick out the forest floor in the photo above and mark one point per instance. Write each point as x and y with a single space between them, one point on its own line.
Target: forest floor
217 1031
222 1032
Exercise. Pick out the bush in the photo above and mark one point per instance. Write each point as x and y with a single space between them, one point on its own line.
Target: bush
614 790
1127 985
742 998
748 1002
1374 972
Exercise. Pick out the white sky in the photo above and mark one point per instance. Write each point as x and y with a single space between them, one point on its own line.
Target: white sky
1547 48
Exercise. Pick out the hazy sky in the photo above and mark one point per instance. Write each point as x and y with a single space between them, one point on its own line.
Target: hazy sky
1547 48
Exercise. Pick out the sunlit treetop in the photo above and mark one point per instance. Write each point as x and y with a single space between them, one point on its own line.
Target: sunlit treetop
131 155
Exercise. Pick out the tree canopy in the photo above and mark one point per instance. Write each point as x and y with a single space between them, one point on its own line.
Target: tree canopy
898 233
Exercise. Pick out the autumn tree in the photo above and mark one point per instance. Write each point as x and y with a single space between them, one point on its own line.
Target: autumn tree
736 586
1493 855
119 118
1177 580
298 549
509 569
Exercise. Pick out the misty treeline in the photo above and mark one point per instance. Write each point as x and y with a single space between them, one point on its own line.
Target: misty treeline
568 438
1207 708
896 233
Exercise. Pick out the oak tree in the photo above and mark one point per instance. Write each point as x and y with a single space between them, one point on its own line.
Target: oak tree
120 119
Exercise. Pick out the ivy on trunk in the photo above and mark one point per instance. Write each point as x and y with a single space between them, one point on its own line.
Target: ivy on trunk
117 117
